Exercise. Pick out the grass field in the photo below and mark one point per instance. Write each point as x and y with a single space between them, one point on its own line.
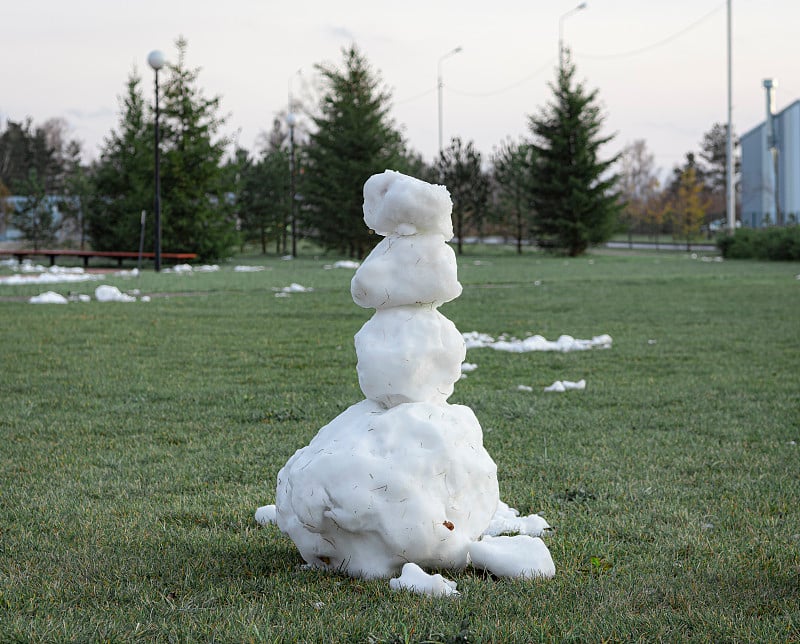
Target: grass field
136 441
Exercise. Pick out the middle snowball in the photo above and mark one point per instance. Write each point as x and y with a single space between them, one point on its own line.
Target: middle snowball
409 354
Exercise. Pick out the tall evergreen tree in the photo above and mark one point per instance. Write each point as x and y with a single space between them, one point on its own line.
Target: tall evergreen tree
35 216
24 147
197 214
123 177
460 170
512 167
572 188
262 197
355 138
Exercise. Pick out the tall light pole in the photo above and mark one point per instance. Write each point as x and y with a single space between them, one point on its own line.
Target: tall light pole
561 20
772 144
729 141
440 85
156 60
290 121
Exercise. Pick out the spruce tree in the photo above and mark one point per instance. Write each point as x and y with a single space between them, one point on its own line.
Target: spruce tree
262 197
34 217
354 139
197 215
123 178
460 170
572 189
512 167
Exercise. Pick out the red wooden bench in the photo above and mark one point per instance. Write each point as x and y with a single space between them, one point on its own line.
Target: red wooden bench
86 254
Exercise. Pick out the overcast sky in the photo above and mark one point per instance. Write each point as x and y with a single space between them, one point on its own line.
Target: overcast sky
659 66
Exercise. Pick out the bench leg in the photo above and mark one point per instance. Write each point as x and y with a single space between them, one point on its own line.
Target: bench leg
52 260
86 261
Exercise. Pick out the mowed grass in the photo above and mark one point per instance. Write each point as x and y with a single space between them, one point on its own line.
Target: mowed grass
136 441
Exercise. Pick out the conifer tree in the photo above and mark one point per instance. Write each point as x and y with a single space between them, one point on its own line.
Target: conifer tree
262 197
197 215
512 167
572 189
123 178
460 170
34 217
354 139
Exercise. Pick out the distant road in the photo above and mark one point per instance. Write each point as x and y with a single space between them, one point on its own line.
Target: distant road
660 246
497 240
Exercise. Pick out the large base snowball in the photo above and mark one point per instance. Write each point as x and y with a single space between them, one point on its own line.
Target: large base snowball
377 488
409 354
416 269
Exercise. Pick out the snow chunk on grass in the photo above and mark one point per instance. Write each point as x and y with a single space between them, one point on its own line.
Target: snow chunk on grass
49 297
343 263
415 579
519 556
506 520
295 288
248 269
565 385
107 293
266 514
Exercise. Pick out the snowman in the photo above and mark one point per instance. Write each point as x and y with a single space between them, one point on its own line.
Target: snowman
401 477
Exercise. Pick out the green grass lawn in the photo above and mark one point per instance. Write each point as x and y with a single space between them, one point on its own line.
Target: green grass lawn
137 440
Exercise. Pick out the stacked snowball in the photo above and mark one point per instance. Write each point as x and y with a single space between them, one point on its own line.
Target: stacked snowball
401 480
401 476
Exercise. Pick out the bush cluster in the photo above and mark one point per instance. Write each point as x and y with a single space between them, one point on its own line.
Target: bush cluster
762 243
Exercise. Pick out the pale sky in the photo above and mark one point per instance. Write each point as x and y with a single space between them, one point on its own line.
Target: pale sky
660 67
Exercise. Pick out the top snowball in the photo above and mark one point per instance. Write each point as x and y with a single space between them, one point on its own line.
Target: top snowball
396 204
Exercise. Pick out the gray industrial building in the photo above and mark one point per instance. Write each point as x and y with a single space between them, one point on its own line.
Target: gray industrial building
770 156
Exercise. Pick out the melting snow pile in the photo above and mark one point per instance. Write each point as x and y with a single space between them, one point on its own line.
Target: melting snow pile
103 293
30 273
565 343
402 477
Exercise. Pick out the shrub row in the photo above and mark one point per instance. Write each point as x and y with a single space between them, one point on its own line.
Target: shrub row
762 243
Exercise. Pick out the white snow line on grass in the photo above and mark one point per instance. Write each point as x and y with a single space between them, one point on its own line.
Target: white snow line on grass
49 278
344 263
292 288
564 344
248 269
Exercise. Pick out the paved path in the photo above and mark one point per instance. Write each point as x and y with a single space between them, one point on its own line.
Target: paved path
660 246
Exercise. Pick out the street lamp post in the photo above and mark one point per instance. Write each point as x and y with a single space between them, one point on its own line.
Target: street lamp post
290 121
156 60
729 185
440 85
582 5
